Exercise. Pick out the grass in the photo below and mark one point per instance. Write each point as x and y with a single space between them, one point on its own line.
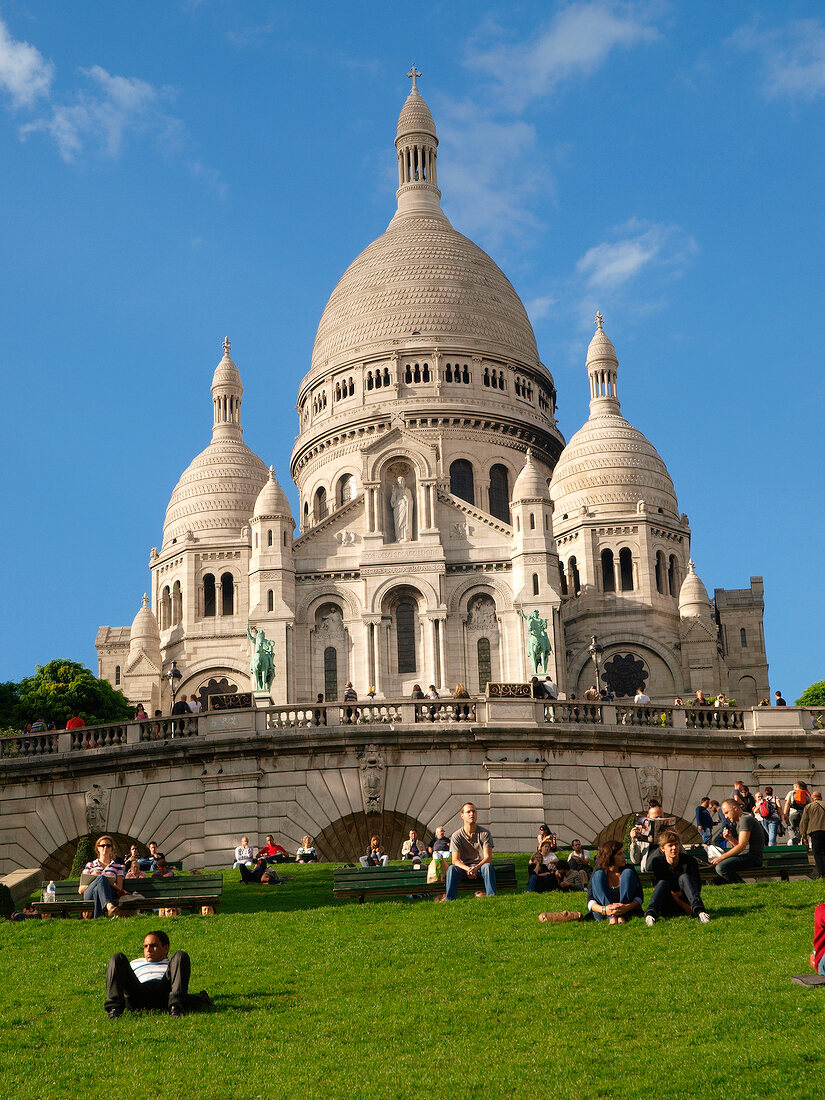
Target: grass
316 998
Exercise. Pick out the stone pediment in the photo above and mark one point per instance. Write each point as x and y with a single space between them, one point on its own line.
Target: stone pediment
475 521
697 629
403 441
341 528
142 665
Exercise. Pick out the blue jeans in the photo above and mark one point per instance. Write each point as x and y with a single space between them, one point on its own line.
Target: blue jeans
728 870
629 889
540 884
772 825
455 875
821 968
101 892
661 902
706 835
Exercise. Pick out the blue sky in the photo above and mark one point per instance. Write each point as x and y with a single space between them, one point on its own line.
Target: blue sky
174 172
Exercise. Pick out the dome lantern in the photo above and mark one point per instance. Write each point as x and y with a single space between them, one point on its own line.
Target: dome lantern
226 398
416 145
602 369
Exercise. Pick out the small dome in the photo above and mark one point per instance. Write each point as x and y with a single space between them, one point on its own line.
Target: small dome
272 499
693 596
601 348
531 483
144 624
415 117
216 493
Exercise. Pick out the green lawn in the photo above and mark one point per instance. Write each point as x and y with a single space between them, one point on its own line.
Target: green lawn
316 998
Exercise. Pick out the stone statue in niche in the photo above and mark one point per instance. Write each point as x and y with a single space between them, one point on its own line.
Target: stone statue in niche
481 613
401 502
371 767
650 783
329 621
97 808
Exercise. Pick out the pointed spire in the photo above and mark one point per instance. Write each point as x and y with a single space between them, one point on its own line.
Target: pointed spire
226 398
416 144
602 368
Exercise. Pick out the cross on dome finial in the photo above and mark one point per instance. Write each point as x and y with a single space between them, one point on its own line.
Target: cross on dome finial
226 345
599 322
414 74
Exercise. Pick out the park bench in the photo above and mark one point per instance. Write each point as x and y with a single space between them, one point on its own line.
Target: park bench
400 880
189 892
780 861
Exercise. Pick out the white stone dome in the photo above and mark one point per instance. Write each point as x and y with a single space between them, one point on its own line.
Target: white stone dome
531 483
693 596
144 633
272 500
415 117
423 279
216 493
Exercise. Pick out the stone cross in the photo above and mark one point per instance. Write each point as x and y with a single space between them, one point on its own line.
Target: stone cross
413 74
599 319
226 345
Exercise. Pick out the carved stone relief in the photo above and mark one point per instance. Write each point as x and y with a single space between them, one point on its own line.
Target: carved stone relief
371 766
97 808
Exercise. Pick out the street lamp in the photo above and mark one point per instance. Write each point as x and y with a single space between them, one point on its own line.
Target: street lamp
595 650
174 676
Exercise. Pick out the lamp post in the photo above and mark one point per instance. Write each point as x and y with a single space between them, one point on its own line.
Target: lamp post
174 676
595 650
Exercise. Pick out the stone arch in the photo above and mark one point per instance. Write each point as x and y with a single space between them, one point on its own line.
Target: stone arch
619 829
421 457
426 590
305 612
347 838
58 864
195 677
582 662
501 594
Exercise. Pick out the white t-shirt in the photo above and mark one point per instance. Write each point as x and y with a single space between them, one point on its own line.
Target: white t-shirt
642 698
146 971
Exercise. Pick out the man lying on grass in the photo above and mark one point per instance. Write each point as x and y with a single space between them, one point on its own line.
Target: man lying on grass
154 982
677 888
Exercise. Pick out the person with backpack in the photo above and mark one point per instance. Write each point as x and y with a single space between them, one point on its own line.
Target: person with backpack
795 802
770 813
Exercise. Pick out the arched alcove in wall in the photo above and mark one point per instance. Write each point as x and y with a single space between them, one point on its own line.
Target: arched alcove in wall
619 828
59 864
344 840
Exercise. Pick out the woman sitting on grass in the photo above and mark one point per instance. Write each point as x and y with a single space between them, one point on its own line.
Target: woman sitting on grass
375 857
541 878
617 892
108 884
306 853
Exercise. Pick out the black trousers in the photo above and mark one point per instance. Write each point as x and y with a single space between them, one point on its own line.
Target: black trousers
818 849
123 990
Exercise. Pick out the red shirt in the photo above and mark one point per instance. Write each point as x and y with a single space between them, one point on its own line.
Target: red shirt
272 850
819 935
75 723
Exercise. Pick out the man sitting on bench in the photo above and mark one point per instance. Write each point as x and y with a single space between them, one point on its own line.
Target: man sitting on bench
748 847
153 982
471 849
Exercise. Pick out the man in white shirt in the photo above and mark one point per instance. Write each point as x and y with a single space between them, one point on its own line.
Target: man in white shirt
641 698
153 982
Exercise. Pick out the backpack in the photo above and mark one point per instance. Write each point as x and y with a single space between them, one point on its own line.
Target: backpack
801 798
765 808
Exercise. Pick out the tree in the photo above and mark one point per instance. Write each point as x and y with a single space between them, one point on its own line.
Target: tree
9 706
63 688
813 696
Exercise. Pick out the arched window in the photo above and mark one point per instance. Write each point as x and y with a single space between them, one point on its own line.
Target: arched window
608 576
626 569
320 504
500 492
330 674
743 638
405 635
671 576
485 665
284 538
269 538
461 480
535 584
270 600
165 609
660 572
177 603
532 522
227 594
575 579
209 594
346 490
117 675
562 580
306 514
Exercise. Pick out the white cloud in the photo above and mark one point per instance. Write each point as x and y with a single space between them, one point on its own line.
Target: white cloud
101 117
576 42
24 73
539 308
794 57
636 247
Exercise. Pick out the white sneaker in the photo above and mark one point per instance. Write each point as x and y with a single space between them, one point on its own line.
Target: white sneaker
704 918
650 920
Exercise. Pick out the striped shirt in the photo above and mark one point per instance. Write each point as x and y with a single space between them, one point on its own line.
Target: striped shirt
96 868
146 971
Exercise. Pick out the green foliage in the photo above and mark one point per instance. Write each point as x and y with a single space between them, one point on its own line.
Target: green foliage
813 696
83 855
63 688
334 999
9 704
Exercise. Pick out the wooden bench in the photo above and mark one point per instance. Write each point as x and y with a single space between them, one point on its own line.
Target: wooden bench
189 892
783 862
400 880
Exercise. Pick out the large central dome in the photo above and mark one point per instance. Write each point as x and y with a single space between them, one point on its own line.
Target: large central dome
422 278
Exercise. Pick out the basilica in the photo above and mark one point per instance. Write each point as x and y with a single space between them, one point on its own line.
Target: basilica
439 507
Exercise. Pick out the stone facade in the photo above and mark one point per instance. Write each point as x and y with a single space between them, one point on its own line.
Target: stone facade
437 502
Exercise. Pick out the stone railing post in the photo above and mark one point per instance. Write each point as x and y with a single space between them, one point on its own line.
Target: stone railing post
133 733
678 719
64 741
